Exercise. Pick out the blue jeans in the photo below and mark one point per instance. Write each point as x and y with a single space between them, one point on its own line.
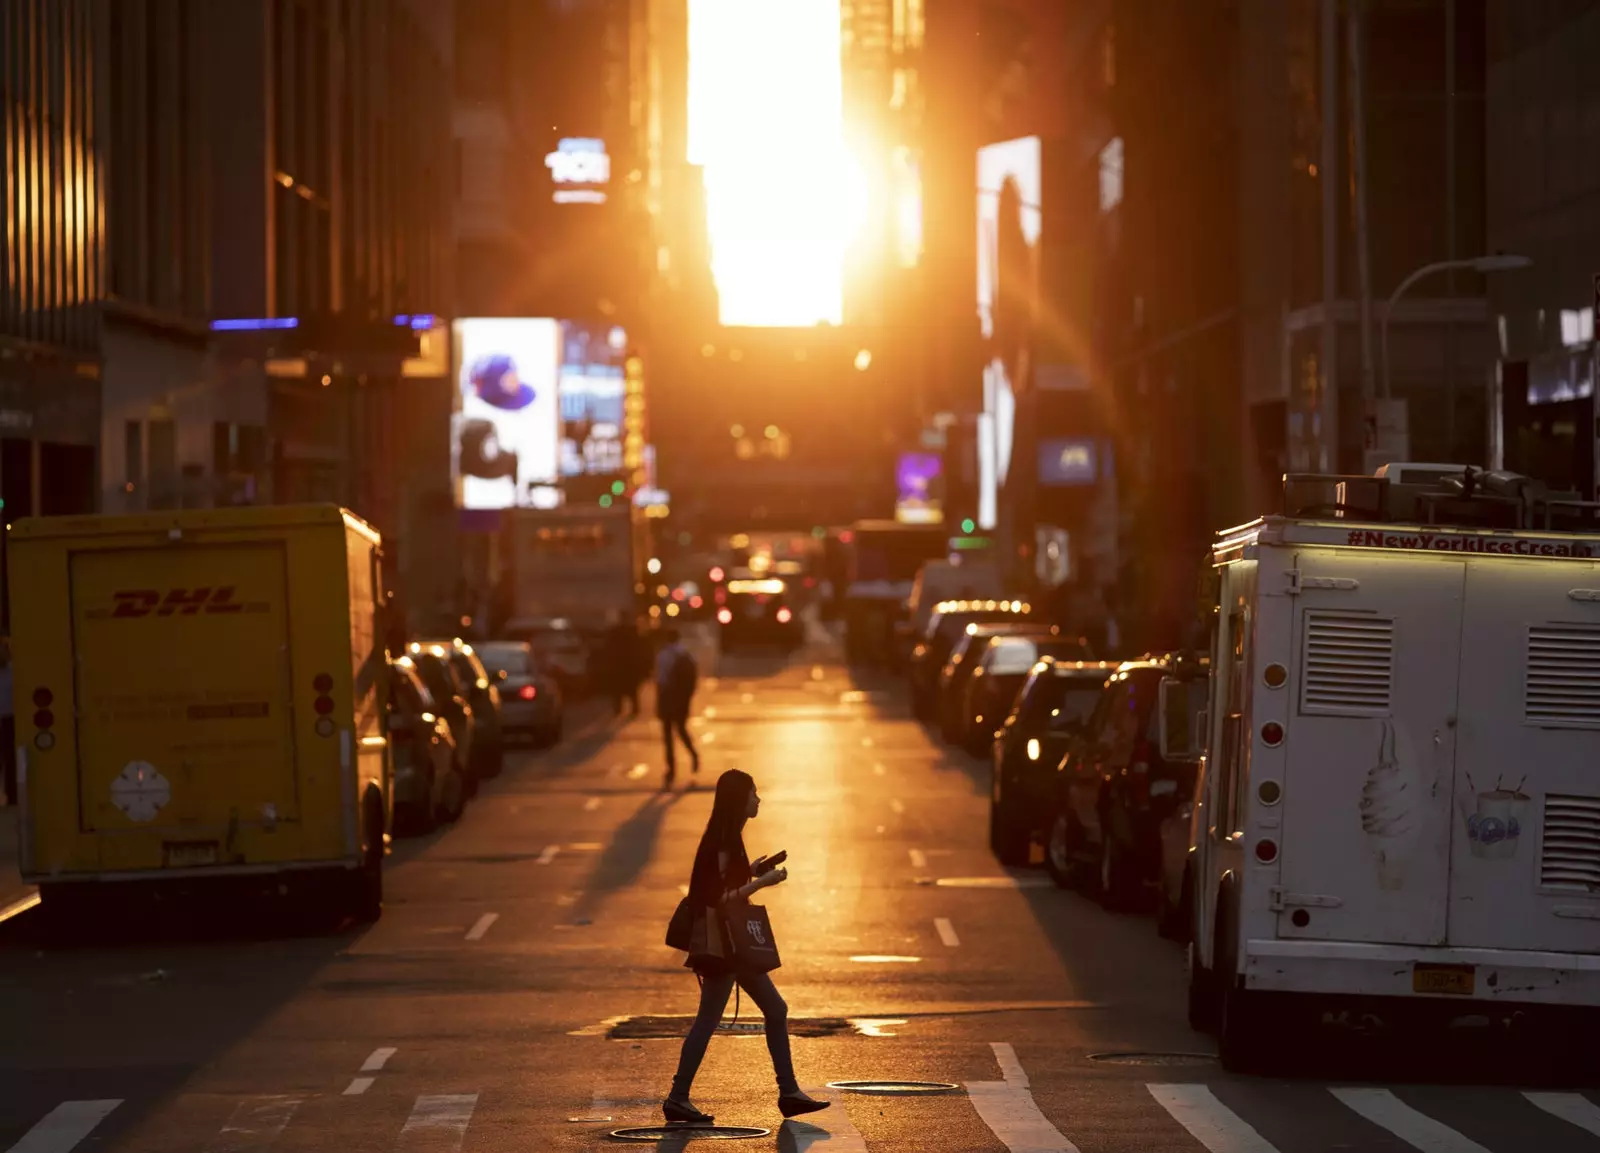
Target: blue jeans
714 993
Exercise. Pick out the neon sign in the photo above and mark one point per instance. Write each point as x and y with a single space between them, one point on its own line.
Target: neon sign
578 166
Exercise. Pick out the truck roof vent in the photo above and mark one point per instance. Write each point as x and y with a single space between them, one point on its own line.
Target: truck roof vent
1562 683
1569 856
1349 665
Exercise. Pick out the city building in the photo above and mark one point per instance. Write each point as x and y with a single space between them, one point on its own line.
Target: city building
1544 203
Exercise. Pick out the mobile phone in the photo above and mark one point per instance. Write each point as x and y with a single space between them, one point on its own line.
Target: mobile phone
777 859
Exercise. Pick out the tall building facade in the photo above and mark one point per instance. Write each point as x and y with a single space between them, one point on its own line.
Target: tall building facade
1544 203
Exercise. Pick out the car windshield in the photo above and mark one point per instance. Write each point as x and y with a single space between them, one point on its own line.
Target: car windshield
509 659
1059 703
1012 656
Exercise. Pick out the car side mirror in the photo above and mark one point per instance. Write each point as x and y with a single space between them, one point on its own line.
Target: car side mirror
1179 739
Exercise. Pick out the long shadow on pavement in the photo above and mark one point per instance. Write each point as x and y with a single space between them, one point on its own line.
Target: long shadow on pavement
626 855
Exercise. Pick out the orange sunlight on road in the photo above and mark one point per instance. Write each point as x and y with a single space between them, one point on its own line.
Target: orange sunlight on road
783 198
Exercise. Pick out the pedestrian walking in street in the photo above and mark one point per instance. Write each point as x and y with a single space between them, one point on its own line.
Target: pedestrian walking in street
719 928
676 677
620 663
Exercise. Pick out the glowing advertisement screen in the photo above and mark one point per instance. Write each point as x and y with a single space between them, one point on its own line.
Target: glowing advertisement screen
505 435
593 390
1009 224
918 497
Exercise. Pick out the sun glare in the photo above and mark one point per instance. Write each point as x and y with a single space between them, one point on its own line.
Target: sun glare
766 124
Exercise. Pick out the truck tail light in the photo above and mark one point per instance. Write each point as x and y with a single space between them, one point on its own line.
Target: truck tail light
1266 850
323 684
43 698
527 693
1272 734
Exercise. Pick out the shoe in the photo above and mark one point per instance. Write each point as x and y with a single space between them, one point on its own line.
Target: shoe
683 1113
798 1104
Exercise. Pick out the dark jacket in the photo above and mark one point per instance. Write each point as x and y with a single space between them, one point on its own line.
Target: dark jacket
708 884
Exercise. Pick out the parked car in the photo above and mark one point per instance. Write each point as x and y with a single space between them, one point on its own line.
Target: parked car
454 703
757 611
1115 790
483 694
429 784
1182 703
958 670
946 626
531 703
561 650
1052 708
998 676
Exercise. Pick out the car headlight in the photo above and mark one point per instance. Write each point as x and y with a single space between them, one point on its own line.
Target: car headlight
1033 748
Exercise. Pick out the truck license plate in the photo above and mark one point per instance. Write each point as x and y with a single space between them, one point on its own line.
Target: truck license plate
1455 980
190 854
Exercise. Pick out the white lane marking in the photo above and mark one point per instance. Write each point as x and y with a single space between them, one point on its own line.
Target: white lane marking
64 1126
481 926
1009 1109
919 859
586 846
879 769
255 1124
1208 1120
549 854
1573 1108
639 771
897 805
591 804
831 1125
359 1085
1415 1128
377 1060
708 738
947 931
1010 1068
438 1123
747 698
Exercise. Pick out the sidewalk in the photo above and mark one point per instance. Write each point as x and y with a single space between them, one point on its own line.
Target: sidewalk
15 897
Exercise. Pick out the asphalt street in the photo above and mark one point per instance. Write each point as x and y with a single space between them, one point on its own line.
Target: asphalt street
516 994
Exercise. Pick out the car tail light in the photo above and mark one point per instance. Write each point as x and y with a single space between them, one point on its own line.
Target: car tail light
527 692
785 616
1266 850
725 616
696 601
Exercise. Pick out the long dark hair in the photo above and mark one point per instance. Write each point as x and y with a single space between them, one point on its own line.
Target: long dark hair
729 812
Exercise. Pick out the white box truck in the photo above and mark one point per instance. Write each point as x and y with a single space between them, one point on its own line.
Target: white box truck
1401 806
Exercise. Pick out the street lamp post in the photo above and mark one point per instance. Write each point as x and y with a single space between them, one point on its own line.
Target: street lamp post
1501 262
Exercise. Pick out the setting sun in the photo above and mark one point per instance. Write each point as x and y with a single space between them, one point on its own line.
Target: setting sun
783 198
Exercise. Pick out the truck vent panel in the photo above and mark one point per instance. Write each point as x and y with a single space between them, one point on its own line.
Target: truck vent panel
1562 688
1569 856
1349 664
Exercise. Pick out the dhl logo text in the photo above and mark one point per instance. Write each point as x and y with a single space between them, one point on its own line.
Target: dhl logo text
177 602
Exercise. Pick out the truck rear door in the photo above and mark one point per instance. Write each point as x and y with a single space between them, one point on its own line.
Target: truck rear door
1525 854
1367 785
183 689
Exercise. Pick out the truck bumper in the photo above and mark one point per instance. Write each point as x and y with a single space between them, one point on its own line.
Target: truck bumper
1345 968
179 876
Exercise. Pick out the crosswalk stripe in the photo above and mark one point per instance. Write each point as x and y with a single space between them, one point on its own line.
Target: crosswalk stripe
1010 1111
377 1059
947 932
1415 1128
1574 1108
481 926
438 1124
64 1126
1208 1120
255 1124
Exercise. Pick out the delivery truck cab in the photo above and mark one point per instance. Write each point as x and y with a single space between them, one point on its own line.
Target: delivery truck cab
1401 806
200 699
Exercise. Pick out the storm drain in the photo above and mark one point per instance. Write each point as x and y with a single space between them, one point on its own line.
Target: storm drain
1164 1059
893 1088
645 1028
676 1133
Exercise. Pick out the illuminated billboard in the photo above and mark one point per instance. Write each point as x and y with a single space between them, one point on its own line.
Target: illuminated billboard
917 486
1068 461
1009 223
505 436
593 390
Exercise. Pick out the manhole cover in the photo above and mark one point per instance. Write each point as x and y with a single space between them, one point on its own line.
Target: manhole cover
1154 1058
893 1088
647 1028
689 1133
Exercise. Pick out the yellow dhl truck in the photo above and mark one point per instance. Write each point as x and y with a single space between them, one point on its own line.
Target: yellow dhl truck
199 698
